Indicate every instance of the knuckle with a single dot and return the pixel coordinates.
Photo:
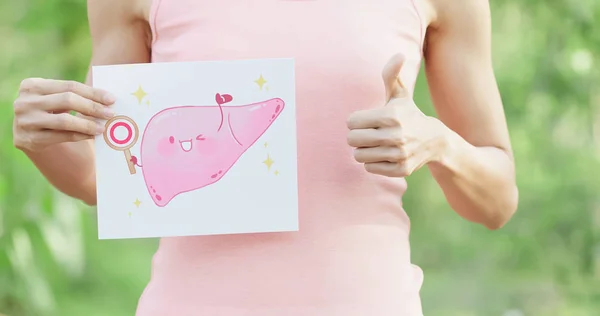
(20, 123)
(19, 106)
(69, 98)
(397, 138)
(393, 115)
(17, 122)
(25, 143)
(391, 120)
(95, 108)
(18, 143)
(90, 128)
(97, 94)
(29, 84)
(402, 171)
(399, 154)
(71, 86)
(25, 124)
(64, 121)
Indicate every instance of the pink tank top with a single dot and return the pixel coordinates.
(352, 254)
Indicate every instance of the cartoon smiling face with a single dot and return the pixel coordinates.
(186, 144)
(182, 138)
(199, 144)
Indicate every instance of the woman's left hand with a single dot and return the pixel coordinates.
(397, 139)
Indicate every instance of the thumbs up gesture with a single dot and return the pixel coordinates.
(396, 139)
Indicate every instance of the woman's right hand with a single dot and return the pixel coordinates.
(42, 115)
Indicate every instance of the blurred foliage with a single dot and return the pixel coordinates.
(546, 261)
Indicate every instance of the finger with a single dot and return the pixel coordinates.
(70, 123)
(373, 118)
(85, 116)
(389, 169)
(373, 138)
(54, 137)
(402, 168)
(394, 87)
(69, 101)
(380, 154)
(48, 86)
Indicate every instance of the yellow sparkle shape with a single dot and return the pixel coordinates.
(260, 82)
(129, 214)
(148, 102)
(139, 94)
(268, 162)
(267, 88)
(276, 172)
(266, 144)
(137, 202)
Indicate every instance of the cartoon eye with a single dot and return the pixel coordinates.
(171, 139)
(200, 137)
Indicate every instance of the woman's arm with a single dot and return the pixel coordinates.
(120, 35)
(476, 171)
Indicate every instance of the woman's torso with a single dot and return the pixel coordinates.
(351, 255)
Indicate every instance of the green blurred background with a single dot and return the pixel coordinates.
(546, 261)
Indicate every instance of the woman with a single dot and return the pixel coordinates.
(358, 137)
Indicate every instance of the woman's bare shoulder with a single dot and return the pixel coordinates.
(427, 10)
(440, 12)
(144, 7)
(125, 10)
(120, 31)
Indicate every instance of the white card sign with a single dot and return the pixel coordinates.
(198, 148)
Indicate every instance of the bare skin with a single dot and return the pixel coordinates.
(467, 149)
(477, 173)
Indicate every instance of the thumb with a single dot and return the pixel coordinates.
(394, 88)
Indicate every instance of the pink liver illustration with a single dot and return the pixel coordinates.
(185, 148)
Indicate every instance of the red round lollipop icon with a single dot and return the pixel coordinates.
(121, 133)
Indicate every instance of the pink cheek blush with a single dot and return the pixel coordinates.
(166, 147)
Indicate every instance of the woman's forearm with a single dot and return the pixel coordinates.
(478, 182)
(70, 168)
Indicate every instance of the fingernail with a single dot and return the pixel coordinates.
(108, 112)
(109, 98)
(99, 129)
